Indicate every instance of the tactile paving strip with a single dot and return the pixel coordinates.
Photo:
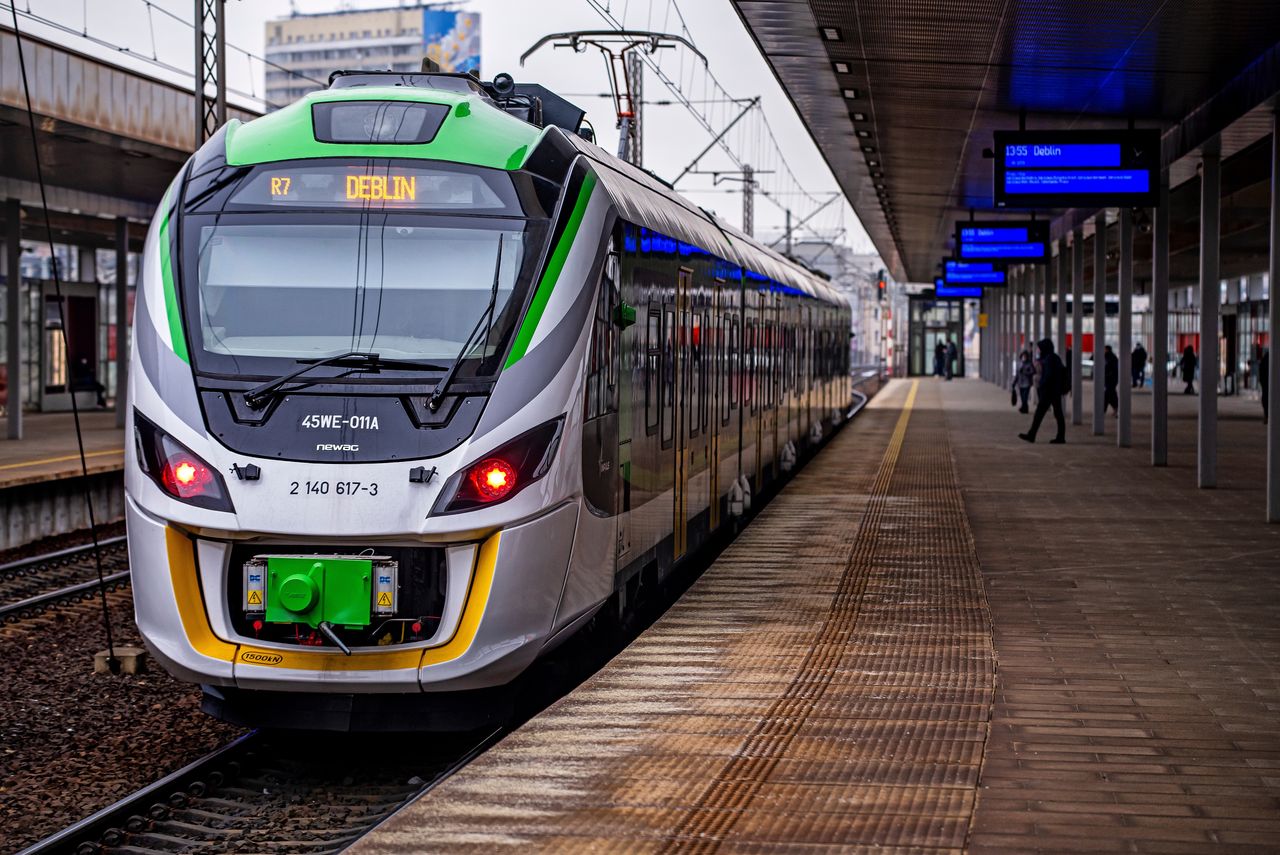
(826, 684)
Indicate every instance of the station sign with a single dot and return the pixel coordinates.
(1065, 169)
(1023, 241)
(943, 291)
(972, 273)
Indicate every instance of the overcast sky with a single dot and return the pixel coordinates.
(508, 28)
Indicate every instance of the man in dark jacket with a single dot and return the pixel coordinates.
(1111, 380)
(1053, 383)
(1139, 365)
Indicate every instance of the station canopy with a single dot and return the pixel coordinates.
(902, 96)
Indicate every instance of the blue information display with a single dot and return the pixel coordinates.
(1063, 169)
(972, 273)
(943, 291)
(1026, 242)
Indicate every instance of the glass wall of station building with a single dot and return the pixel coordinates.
(88, 279)
(1244, 332)
(933, 322)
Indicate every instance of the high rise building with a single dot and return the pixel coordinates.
(305, 49)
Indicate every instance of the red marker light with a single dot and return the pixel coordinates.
(493, 479)
(186, 477)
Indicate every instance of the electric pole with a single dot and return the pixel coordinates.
(210, 68)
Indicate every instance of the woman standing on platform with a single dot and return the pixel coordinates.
(1024, 377)
(1188, 364)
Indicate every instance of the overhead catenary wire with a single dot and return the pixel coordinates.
(112, 662)
(154, 59)
(754, 144)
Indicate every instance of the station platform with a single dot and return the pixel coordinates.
(937, 638)
(48, 452)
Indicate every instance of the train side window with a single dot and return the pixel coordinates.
(668, 375)
(749, 357)
(770, 331)
(601, 372)
(725, 340)
(706, 353)
(735, 360)
(652, 370)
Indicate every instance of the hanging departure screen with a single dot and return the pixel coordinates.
(1064, 169)
(943, 291)
(1024, 241)
(972, 273)
(378, 185)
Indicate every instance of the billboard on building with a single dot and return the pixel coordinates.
(451, 39)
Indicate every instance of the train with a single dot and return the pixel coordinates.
(422, 379)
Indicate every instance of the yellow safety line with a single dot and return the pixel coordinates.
(63, 459)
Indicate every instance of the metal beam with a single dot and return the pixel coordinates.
(211, 68)
(1207, 426)
(1063, 276)
(1124, 341)
(1160, 327)
(13, 315)
(1077, 325)
(1273, 365)
(1099, 317)
(122, 319)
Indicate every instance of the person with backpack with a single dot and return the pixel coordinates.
(1054, 383)
(1189, 363)
(1024, 377)
(952, 355)
(1139, 366)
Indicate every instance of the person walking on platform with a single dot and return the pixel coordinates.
(1188, 364)
(952, 356)
(1024, 377)
(1111, 381)
(1053, 382)
(1264, 377)
(1139, 366)
(939, 356)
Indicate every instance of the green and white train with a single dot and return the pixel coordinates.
(422, 379)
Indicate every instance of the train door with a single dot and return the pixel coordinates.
(600, 537)
(716, 353)
(806, 369)
(60, 378)
(681, 368)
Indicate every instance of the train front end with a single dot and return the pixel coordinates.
(357, 349)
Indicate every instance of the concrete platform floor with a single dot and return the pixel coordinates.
(47, 451)
(937, 639)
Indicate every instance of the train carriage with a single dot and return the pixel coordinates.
(422, 379)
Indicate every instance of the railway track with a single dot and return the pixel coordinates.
(272, 793)
(31, 585)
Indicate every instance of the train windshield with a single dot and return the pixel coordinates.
(307, 286)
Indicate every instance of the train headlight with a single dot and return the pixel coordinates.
(503, 472)
(178, 470)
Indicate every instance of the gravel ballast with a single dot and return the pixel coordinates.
(73, 741)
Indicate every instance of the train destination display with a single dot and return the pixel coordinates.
(972, 273)
(1063, 169)
(1026, 241)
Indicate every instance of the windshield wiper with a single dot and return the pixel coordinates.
(437, 394)
(256, 396)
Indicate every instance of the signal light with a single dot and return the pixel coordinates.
(494, 479)
(185, 477)
(503, 472)
(176, 469)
